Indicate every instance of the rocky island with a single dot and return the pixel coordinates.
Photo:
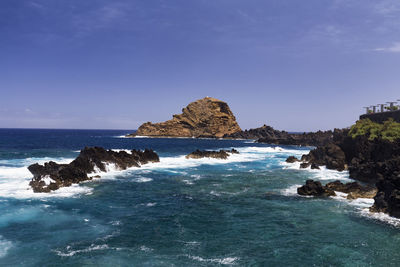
(91, 160)
(207, 117)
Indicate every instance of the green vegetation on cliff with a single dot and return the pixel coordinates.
(389, 130)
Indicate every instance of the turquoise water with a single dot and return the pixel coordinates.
(179, 212)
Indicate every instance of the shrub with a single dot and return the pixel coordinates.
(389, 130)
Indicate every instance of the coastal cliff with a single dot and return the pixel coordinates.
(207, 117)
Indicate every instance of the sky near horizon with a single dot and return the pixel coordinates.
(292, 64)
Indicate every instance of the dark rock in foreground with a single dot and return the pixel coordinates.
(222, 154)
(353, 189)
(51, 176)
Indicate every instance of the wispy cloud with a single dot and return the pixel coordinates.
(387, 7)
(394, 48)
(36, 5)
(100, 18)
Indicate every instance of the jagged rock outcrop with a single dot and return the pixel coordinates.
(267, 134)
(222, 154)
(51, 176)
(331, 156)
(353, 189)
(292, 159)
(257, 133)
(375, 162)
(314, 188)
(207, 117)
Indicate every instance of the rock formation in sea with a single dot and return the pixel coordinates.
(267, 134)
(222, 154)
(353, 190)
(207, 117)
(51, 176)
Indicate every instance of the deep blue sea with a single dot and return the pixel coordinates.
(243, 211)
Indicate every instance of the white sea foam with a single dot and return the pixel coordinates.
(362, 205)
(142, 179)
(69, 252)
(5, 245)
(215, 193)
(145, 249)
(47, 180)
(379, 216)
(291, 190)
(14, 173)
(121, 136)
(29, 161)
(224, 261)
(119, 150)
(322, 174)
(277, 149)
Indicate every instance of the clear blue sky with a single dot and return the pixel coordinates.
(292, 64)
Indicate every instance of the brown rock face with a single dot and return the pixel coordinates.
(207, 117)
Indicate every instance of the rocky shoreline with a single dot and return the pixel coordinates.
(374, 161)
(267, 134)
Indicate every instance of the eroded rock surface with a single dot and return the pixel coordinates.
(267, 134)
(207, 117)
(222, 154)
(353, 190)
(375, 162)
(51, 176)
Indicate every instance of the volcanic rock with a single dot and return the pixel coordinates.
(51, 176)
(207, 117)
(267, 134)
(353, 189)
(314, 188)
(222, 154)
(292, 159)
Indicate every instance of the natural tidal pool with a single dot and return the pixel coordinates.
(243, 211)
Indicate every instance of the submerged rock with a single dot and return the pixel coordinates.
(51, 176)
(222, 154)
(207, 117)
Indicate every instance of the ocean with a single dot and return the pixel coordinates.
(243, 211)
